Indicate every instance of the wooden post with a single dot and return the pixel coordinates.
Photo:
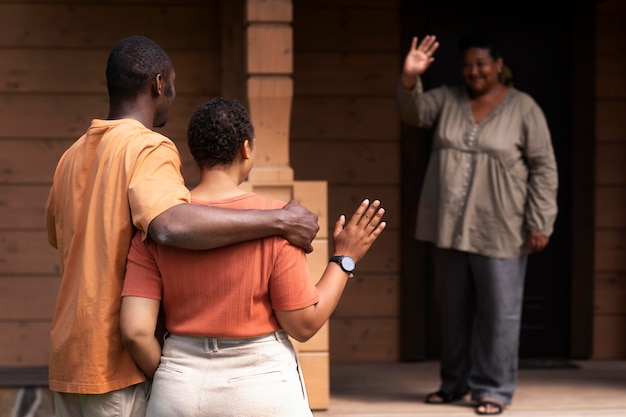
(268, 69)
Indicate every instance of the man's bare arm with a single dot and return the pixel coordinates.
(195, 226)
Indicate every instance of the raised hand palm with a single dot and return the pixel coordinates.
(416, 62)
(420, 57)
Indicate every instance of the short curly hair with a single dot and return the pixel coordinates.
(217, 130)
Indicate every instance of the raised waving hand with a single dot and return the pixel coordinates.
(355, 237)
(418, 59)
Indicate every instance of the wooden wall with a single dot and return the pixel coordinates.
(345, 130)
(52, 83)
(610, 225)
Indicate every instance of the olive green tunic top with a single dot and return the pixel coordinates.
(487, 184)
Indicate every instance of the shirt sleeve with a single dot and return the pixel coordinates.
(157, 183)
(419, 108)
(541, 207)
(143, 278)
(290, 285)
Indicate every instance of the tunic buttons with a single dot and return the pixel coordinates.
(470, 137)
(470, 142)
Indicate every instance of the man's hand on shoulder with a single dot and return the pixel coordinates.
(299, 225)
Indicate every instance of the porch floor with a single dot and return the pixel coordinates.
(580, 388)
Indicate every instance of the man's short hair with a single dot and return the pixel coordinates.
(132, 62)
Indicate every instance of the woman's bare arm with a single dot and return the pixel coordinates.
(354, 240)
(138, 320)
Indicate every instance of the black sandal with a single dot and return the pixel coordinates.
(444, 397)
(498, 408)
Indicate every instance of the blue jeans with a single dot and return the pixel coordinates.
(201, 376)
(481, 311)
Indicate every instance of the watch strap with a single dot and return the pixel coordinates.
(338, 260)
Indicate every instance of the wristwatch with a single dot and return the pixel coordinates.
(346, 263)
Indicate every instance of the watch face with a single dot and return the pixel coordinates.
(347, 263)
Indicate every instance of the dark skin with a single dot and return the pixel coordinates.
(480, 74)
(192, 226)
(139, 315)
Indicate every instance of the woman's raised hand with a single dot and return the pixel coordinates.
(357, 236)
(418, 59)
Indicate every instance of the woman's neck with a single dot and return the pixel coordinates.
(217, 184)
(483, 105)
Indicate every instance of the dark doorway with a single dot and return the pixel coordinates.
(540, 45)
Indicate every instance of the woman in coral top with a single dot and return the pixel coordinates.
(229, 311)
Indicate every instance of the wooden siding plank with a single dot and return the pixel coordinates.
(27, 253)
(150, 2)
(364, 340)
(22, 206)
(610, 207)
(610, 80)
(30, 161)
(345, 199)
(610, 163)
(88, 25)
(370, 296)
(39, 291)
(610, 250)
(23, 191)
(62, 116)
(346, 118)
(316, 370)
(345, 163)
(351, 4)
(346, 74)
(384, 255)
(24, 343)
(66, 116)
(610, 293)
(609, 337)
(610, 33)
(610, 123)
(346, 29)
(31, 71)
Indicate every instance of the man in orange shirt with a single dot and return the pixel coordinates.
(121, 176)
